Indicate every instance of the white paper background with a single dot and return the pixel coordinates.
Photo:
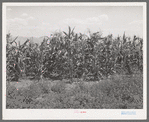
(59, 114)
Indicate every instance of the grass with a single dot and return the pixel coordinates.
(116, 92)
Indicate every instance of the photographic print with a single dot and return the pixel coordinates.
(74, 61)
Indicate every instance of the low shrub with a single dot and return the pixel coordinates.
(59, 87)
(82, 100)
(79, 100)
(25, 97)
(45, 87)
(11, 91)
(17, 99)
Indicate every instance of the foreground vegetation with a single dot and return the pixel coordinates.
(70, 70)
(117, 92)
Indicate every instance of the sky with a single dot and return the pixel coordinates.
(37, 21)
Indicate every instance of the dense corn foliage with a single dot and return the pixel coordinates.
(74, 55)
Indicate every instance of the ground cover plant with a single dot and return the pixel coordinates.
(74, 70)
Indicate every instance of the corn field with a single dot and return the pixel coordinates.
(69, 55)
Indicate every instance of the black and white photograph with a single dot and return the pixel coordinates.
(74, 60)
